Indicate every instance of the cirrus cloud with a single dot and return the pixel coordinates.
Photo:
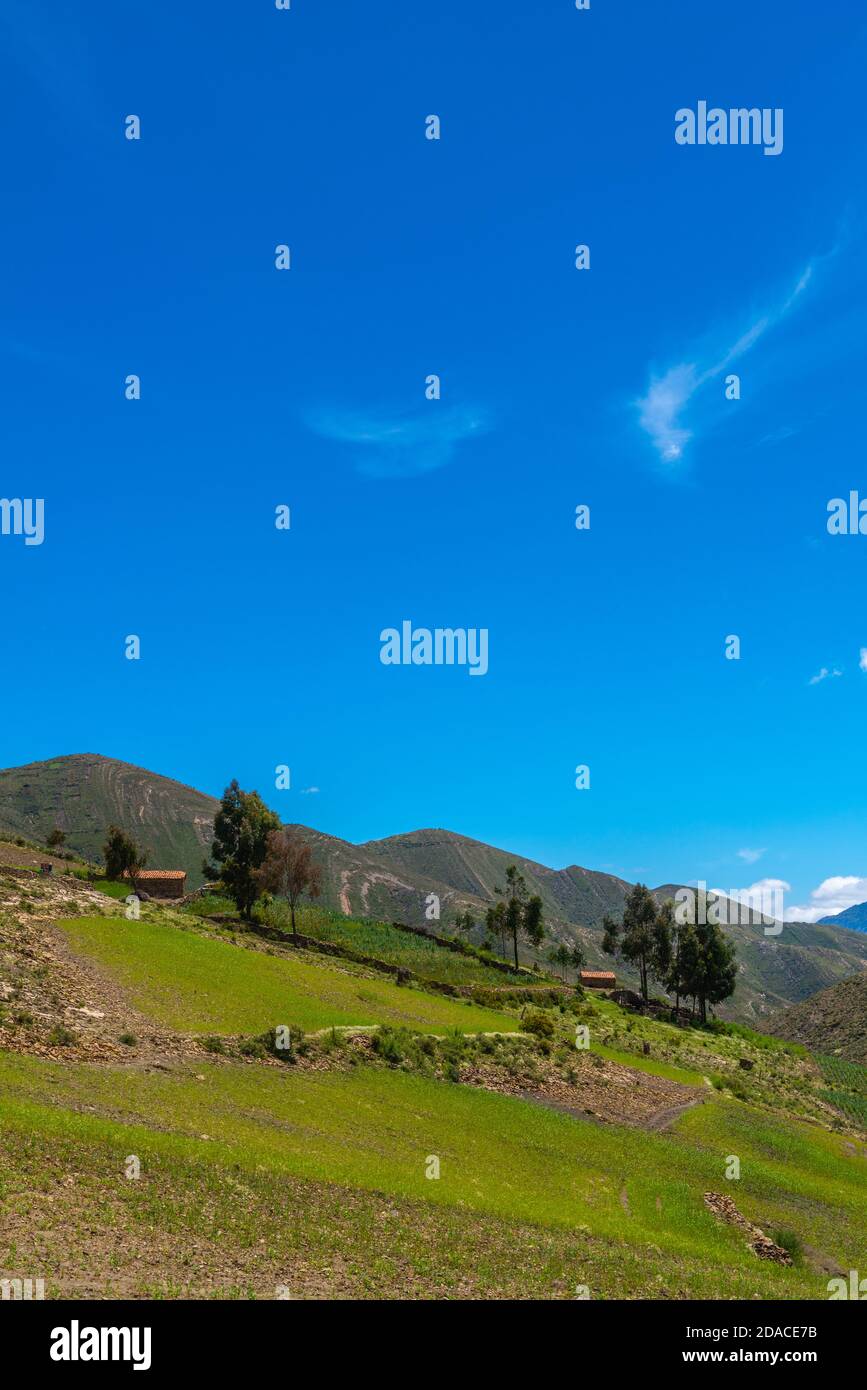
(661, 409)
(400, 446)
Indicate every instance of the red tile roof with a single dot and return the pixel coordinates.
(597, 974)
(158, 873)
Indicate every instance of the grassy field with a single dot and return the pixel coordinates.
(847, 1087)
(111, 888)
(191, 982)
(619, 1210)
(639, 1062)
(316, 1175)
(396, 947)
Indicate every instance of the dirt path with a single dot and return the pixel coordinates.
(664, 1119)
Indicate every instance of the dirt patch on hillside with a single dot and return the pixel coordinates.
(724, 1209)
(19, 856)
(593, 1088)
(56, 1004)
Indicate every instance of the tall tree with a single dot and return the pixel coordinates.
(682, 966)
(663, 929)
(518, 914)
(495, 924)
(241, 829)
(122, 856)
(464, 923)
(715, 973)
(576, 958)
(643, 938)
(56, 839)
(562, 956)
(289, 870)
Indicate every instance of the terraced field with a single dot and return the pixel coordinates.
(388, 943)
(192, 982)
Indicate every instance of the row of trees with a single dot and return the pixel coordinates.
(690, 961)
(518, 918)
(567, 957)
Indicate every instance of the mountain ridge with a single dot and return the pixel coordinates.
(854, 917)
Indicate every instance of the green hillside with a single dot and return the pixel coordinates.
(188, 981)
(473, 870)
(773, 969)
(832, 1021)
(618, 1210)
(85, 793)
(408, 1142)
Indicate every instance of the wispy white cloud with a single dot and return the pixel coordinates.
(826, 673)
(750, 856)
(833, 895)
(662, 408)
(862, 659)
(388, 446)
(309, 791)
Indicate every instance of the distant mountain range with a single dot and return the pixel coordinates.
(855, 918)
(833, 1021)
(391, 879)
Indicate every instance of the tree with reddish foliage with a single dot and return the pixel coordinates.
(289, 870)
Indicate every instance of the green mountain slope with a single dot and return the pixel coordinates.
(84, 793)
(473, 870)
(833, 1021)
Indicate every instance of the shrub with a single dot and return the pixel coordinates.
(332, 1041)
(213, 1044)
(390, 1045)
(538, 1023)
(789, 1241)
(61, 1036)
(128, 1039)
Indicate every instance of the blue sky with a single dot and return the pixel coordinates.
(306, 387)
